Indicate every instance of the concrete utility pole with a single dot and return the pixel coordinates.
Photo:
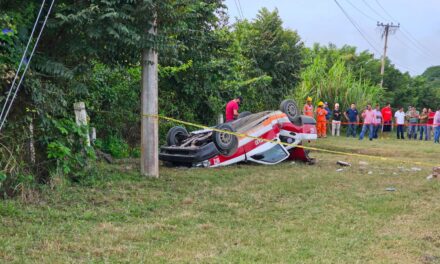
(387, 29)
(150, 125)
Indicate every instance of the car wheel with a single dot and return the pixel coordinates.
(176, 135)
(244, 114)
(226, 143)
(290, 108)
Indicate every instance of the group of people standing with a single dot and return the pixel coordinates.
(375, 120)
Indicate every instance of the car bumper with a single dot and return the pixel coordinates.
(189, 154)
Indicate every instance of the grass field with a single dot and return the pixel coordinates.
(288, 213)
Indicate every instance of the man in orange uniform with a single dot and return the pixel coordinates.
(321, 121)
(308, 107)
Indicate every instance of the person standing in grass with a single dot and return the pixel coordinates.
(369, 119)
(423, 128)
(436, 125)
(336, 122)
(321, 121)
(387, 115)
(407, 114)
(329, 114)
(413, 123)
(308, 107)
(377, 121)
(430, 122)
(352, 117)
(400, 122)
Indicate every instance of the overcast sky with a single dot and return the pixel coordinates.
(414, 47)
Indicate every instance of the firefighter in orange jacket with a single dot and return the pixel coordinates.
(321, 121)
(308, 107)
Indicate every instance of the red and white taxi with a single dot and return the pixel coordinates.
(258, 138)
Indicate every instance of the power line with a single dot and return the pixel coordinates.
(406, 33)
(241, 9)
(374, 10)
(411, 47)
(356, 26)
(362, 12)
(237, 5)
(17, 72)
(27, 66)
(353, 22)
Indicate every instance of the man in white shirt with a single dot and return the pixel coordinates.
(400, 121)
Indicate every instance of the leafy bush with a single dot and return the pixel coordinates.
(70, 151)
(117, 147)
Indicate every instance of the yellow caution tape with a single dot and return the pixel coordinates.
(287, 144)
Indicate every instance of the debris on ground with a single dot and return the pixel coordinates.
(363, 163)
(293, 162)
(370, 172)
(416, 169)
(435, 174)
(339, 170)
(105, 156)
(343, 163)
(390, 189)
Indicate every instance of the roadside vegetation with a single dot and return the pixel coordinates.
(291, 213)
(91, 53)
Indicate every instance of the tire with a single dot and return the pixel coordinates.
(290, 108)
(176, 135)
(226, 144)
(244, 114)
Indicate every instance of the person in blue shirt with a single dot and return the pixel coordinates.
(352, 116)
(328, 115)
(329, 112)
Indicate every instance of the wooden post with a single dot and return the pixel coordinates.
(81, 117)
(31, 142)
(93, 135)
(220, 119)
(150, 125)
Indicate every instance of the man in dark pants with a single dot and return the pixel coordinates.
(400, 121)
(352, 117)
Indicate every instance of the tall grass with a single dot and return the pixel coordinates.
(335, 84)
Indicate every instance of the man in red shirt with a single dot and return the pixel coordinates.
(387, 115)
(232, 108)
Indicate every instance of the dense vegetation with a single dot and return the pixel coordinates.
(90, 51)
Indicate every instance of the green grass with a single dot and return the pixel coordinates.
(288, 213)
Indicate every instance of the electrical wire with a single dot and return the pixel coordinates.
(356, 26)
(17, 72)
(237, 5)
(362, 12)
(27, 65)
(406, 33)
(241, 9)
(374, 10)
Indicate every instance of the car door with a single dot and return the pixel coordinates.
(268, 153)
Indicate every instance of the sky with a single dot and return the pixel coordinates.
(414, 46)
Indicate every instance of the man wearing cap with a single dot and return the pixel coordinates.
(308, 107)
(232, 108)
(321, 121)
